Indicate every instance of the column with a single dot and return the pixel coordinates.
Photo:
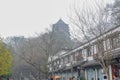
(86, 74)
(96, 74)
(110, 72)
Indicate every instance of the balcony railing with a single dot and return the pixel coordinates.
(79, 57)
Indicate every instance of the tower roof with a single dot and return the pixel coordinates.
(60, 21)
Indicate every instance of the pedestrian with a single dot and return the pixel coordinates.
(73, 78)
(7, 78)
(48, 78)
(51, 78)
(116, 77)
(78, 77)
(70, 78)
(0, 78)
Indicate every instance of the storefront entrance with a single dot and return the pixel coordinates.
(115, 70)
(91, 74)
(115, 67)
(99, 74)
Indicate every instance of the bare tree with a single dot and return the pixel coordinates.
(27, 54)
(34, 52)
(114, 10)
(50, 46)
(94, 24)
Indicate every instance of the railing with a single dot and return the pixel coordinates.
(68, 64)
(79, 57)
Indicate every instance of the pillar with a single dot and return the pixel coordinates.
(86, 74)
(96, 74)
(110, 72)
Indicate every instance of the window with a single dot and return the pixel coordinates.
(66, 59)
(108, 44)
(80, 51)
(92, 50)
(105, 45)
(84, 53)
(62, 61)
(49, 65)
(88, 51)
(71, 57)
(115, 41)
(54, 63)
(95, 48)
(100, 46)
(57, 61)
(77, 53)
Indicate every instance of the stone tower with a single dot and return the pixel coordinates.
(62, 34)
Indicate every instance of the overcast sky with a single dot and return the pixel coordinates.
(25, 17)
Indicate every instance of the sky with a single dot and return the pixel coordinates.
(27, 17)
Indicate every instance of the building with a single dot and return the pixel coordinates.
(82, 61)
(61, 34)
(61, 29)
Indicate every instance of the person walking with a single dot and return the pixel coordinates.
(78, 77)
(73, 78)
(70, 78)
(116, 77)
(51, 78)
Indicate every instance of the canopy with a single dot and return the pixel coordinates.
(56, 77)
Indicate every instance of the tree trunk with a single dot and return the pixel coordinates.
(108, 75)
(107, 72)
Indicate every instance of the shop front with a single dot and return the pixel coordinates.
(116, 68)
(99, 74)
(90, 74)
(93, 71)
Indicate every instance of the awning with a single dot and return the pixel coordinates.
(90, 63)
(78, 63)
(56, 77)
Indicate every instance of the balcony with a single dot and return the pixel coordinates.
(95, 56)
(62, 66)
(79, 57)
(90, 58)
(68, 64)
